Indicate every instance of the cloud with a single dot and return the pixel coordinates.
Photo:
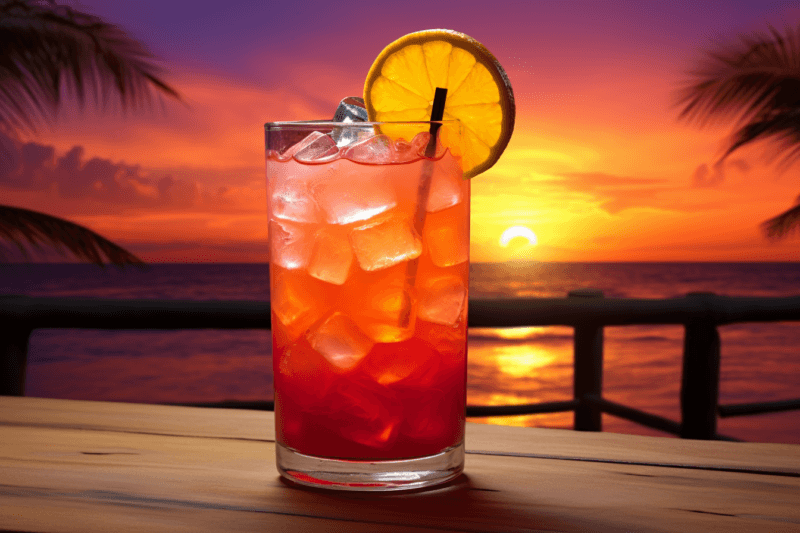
(705, 176)
(600, 180)
(35, 167)
(614, 193)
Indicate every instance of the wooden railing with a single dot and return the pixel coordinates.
(585, 310)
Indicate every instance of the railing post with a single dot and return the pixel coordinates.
(13, 358)
(588, 368)
(700, 378)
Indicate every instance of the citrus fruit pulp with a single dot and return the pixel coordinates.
(402, 81)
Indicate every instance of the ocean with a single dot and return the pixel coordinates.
(760, 362)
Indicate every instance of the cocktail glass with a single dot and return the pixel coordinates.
(369, 275)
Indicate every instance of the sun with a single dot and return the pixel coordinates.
(518, 231)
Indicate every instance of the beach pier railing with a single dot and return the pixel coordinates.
(587, 311)
(14, 340)
(700, 373)
(20, 315)
(587, 369)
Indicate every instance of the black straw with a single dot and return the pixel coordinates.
(437, 113)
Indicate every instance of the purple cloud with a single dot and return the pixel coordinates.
(705, 176)
(33, 167)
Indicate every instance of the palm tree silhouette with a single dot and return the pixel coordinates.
(46, 48)
(756, 84)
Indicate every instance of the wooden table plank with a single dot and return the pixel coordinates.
(144, 418)
(481, 438)
(616, 447)
(97, 466)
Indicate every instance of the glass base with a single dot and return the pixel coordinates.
(341, 474)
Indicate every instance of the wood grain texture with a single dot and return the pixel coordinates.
(97, 466)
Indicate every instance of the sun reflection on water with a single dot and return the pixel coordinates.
(521, 361)
(517, 366)
(519, 333)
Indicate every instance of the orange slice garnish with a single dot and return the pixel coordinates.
(402, 81)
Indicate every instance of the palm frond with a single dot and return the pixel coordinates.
(782, 225)
(23, 226)
(755, 83)
(745, 80)
(781, 126)
(44, 45)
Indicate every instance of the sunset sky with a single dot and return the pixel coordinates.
(599, 167)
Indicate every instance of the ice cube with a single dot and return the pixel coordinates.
(385, 308)
(296, 360)
(450, 342)
(339, 340)
(353, 193)
(447, 185)
(291, 243)
(434, 414)
(390, 363)
(376, 150)
(446, 236)
(298, 300)
(385, 243)
(289, 195)
(350, 109)
(309, 139)
(332, 255)
(363, 413)
(442, 299)
(388, 314)
(321, 148)
(346, 136)
(420, 142)
(405, 151)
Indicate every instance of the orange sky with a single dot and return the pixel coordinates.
(598, 167)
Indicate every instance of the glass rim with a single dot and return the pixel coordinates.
(335, 124)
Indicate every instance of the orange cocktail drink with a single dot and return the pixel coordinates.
(369, 270)
(369, 266)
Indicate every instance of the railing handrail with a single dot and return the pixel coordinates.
(109, 313)
(585, 310)
(573, 312)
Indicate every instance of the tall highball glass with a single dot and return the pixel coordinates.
(369, 283)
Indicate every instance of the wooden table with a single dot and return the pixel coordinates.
(98, 466)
